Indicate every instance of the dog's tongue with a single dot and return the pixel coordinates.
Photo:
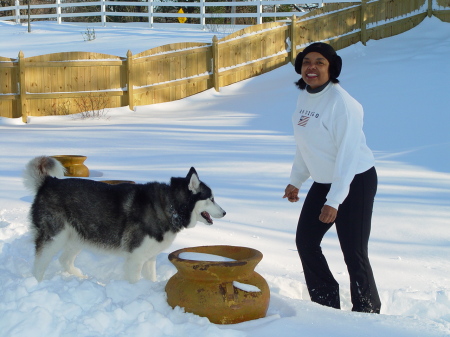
(206, 216)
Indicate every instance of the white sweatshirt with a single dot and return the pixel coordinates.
(331, 146)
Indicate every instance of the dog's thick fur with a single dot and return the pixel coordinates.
(136, 220)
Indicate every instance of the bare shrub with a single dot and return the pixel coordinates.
(93, 107)
(60, 109)
(89, 34)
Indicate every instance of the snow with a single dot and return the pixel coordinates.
(246, 287)
(240, 141)
(203, 257)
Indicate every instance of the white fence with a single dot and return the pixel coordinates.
(106, 8)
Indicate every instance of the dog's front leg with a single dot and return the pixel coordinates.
(149, 269)
(133, 267)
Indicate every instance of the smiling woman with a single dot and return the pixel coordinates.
(332, 150)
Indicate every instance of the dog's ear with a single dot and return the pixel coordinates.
(194, 182)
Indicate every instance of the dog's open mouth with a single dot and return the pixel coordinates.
(206, 216)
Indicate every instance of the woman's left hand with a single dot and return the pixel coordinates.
(328, 214)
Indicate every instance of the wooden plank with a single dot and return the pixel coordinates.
(164, 56)
(168, 84)
(443, 15)
(8, 97)
(7, 64)
(7, 81)
(6, 108)
(130, 83)
(22, 102)
(345, 41)
(74, 94)
(74, 56)
(251, 30)
(233, 75)
(396, 27)
(171, 48)
(92, 63)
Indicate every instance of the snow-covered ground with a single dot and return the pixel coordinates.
(240, 141)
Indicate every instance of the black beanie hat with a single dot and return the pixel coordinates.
(328, 52)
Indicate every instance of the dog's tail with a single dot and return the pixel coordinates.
(38, 169)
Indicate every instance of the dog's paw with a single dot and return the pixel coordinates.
(38, 277)
(149, 270)
(133, 279)
(76, 272)
(38, 273)
(151, 277)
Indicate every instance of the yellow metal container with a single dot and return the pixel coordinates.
(224, 292)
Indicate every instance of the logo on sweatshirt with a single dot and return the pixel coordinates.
(303, 121)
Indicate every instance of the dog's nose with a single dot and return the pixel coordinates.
(224, 213)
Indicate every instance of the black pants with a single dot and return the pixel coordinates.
(353, 225)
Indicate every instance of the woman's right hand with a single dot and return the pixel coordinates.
(291, 193)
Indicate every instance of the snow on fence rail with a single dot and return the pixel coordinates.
(55, 83)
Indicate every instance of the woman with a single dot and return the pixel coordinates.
(332, 150)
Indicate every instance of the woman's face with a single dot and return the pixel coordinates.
(315, 69)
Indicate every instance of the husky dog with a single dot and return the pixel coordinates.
(136, 220)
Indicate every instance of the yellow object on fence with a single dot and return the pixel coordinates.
(181, 20)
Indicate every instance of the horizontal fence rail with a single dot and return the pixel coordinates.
(147, 10)
(71, 82)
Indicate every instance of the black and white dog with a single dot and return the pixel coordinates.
(136, 220)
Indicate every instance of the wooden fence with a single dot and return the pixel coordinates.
(56, 83)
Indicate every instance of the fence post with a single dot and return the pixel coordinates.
(430, 8)
(259, 10)
(22, 103)
(202, 14)
(150, 13)
(215, 63)
(293, 42)
(103, 12)
(17, 11)
(130, 86)
(58, 11)
(363, 22)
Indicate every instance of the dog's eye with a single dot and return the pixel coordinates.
(212, 199)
